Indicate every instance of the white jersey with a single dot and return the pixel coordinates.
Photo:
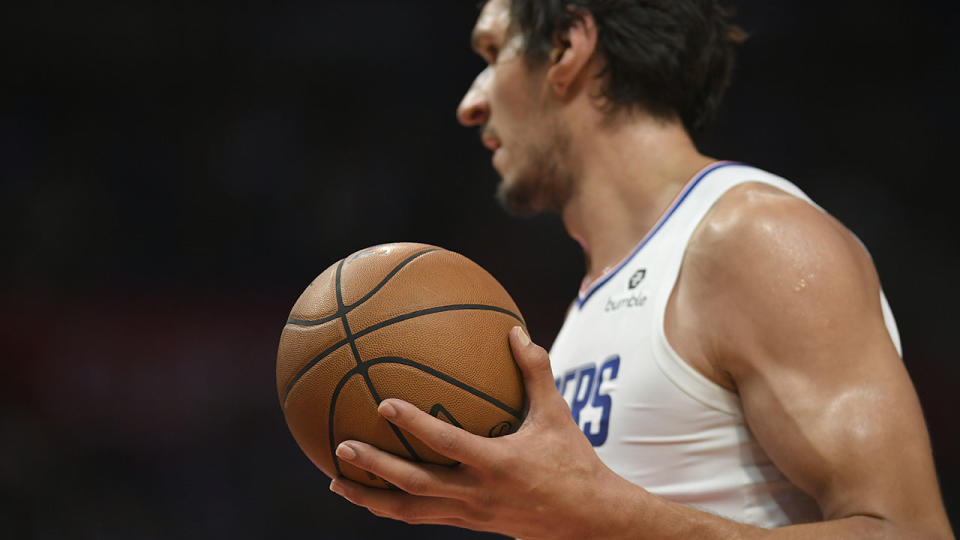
(651, 417)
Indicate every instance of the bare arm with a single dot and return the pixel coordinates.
(545, 481)
(791, 302)
(821, 385)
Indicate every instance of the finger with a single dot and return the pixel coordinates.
(534, 364)
(414, 478)
(399, 505)
(445, 439)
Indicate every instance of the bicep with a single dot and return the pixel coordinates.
(844, 425)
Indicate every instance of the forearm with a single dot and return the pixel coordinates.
(633, 513)
(630, 512)
(546, 481)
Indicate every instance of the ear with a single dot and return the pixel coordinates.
(573, 49)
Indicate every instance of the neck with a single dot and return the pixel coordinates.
(626, 176)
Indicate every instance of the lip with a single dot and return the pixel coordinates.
(491, 142)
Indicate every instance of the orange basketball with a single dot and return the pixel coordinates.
(407, 321)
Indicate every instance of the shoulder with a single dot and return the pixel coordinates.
(764, 266)
(758, 231)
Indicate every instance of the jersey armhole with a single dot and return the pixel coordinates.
(686, 377)
(680, 372)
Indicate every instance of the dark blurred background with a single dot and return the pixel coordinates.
(175, 173)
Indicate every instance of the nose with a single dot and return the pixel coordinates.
(474, 108)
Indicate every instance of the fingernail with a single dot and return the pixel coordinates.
(345, 452)
(336, 487)
(387, 410)
(524, 338)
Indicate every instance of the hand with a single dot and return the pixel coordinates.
(544, 481)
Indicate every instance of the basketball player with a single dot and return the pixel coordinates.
(731, 365)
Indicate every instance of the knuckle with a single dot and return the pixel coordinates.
(384, 511)
(447, 442)
(416, 483)
(354, 495)
(534, 359)
(483, 499)
(539, 359)
(504, 457)
(365, 460)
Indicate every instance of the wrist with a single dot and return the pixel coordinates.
(614, 508)
(621, 510)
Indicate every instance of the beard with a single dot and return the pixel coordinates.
(542, 184)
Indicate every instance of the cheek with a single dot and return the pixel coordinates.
(499, 100)
(507, 92)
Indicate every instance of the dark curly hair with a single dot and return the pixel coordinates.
(672, 58)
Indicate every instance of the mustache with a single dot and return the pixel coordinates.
(486, 131)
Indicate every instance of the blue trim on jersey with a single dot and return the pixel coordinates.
(596, 286)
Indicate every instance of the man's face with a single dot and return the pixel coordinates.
(510, 101)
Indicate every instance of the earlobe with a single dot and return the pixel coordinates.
(572, 52)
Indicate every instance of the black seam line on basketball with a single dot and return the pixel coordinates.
(371, 388)
(332, 409)
(438, 309)
(309, 365)
(443, 376)
(438, 408)
(315, 322)
(339, 292)
(347, 309)
(350, 340)
(362, 370)
(396, 431)
(400, 318)
(392, 273)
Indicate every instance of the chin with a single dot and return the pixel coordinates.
(519, 197)
(536, 185)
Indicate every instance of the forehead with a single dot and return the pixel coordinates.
(493, 21)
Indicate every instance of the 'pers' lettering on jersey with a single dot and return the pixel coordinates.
(586, 390)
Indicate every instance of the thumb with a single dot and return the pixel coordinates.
(534, 364)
